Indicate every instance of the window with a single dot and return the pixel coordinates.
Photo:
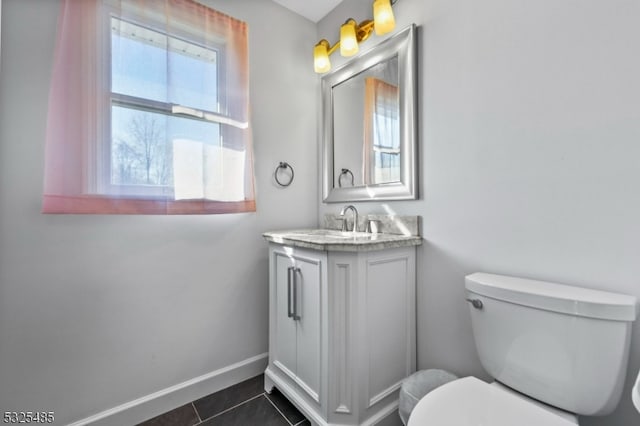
(382, 132)
(157, 118)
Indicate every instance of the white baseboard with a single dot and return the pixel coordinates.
(141, 409)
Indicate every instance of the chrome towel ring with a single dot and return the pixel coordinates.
(283, 165)
(343, 173)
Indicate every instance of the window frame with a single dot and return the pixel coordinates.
(99, 161)
(381, 150)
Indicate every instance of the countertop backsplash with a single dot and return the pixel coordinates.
(386, 224)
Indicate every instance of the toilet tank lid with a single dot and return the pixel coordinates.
(554, 297)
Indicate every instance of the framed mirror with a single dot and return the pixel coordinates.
(369, 132)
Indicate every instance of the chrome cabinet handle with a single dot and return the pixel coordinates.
(476, 303)
(290, 269)
(292, 292)
(295, 315)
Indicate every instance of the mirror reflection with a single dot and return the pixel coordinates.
(367, 127)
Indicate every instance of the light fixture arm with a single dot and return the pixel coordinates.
(363, 32)
(330, 49)
(352, 34)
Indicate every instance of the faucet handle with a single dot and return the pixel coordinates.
(373, 226)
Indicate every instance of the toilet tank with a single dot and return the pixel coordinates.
(563, 345)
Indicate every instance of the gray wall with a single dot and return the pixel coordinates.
(529, 155)
(96, 311)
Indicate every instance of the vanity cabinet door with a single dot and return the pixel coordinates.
(308, 293)
(284, 351)
(296, 317)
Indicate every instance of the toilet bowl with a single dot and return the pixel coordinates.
(635, 393)
(472, 402)
(555, 351)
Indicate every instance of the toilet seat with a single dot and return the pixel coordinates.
(472, 402)
(635, 393)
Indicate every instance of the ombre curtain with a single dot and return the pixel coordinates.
(148, 110)
(381, 114)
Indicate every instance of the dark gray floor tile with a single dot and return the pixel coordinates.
(181, 416)
(217, 402)
(286, 408)
(257, 412)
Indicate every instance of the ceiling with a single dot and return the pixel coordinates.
(313, 10)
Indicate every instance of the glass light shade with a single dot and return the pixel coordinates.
(383, 18)
(348, 41)
(321, 62)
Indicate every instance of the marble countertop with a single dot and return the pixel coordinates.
(334, 240)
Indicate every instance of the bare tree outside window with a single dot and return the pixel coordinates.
(141, 155)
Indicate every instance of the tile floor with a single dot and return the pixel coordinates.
(244, 404)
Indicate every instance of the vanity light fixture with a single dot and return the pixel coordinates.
(385, 22)
(348, 40)
(352, 34)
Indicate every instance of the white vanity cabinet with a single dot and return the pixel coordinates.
(342, 330)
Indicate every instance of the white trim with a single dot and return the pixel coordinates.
(151, 405)
(341, 327)
(313, 394)
(284, 369)
(381, 415)
(212, 117)
(385, 393)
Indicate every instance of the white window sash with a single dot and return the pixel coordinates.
(99, 152)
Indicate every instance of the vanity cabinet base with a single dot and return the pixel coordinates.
(342, 332)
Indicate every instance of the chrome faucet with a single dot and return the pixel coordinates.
(344, 219)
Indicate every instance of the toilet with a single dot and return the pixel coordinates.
(635, 394)
(554, 351)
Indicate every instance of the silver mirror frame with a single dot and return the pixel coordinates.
(402, 44)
